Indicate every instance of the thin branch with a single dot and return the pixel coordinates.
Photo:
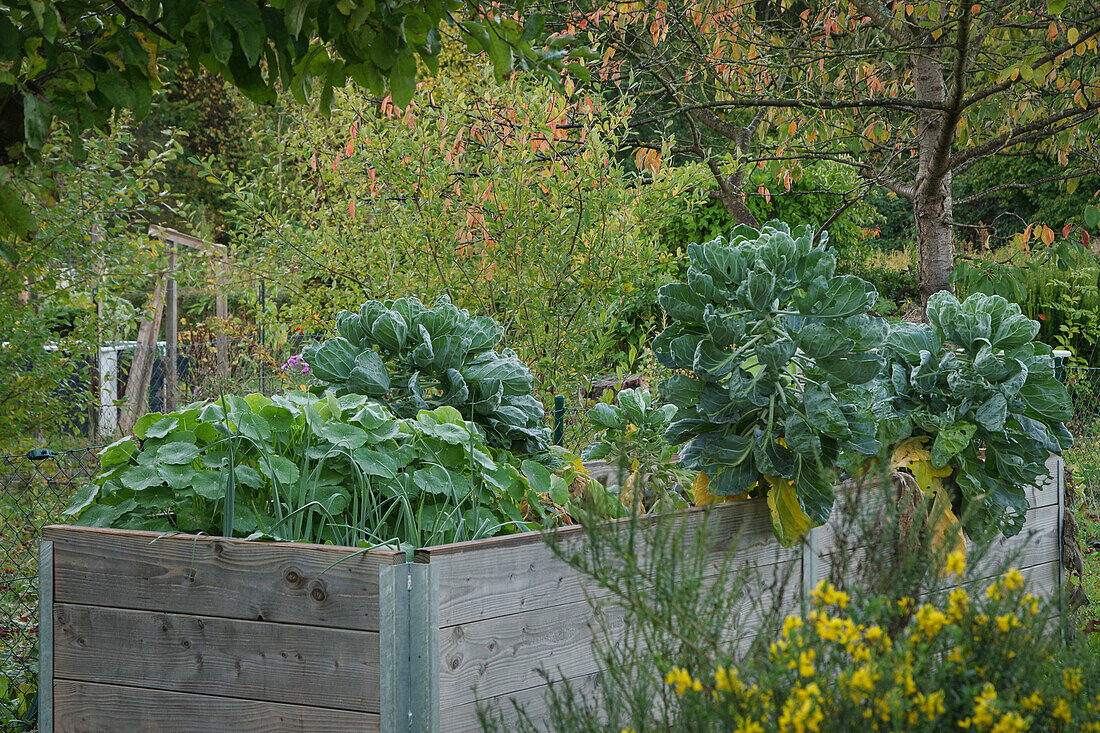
(1016, 134)
(1014, 185)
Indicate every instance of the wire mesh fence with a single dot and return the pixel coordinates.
(34, 489)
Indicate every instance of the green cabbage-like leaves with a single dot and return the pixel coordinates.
(412, 357)
(973, 379)
(769, 346)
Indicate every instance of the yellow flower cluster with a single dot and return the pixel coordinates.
(883, 676)
(802, 712)
(999, 589)
(826, 594)
(956, 563)
(683, 681)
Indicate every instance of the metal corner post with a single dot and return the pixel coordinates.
(809, 565)
(409, 648)
(45, 636)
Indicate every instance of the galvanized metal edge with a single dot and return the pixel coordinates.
(809, 565)
(45, 636)
(424, 648)
(393, 639)
(1060, 485)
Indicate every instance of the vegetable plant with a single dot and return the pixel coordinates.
(631, 435)
(972, 402)
(768, 344)
(306, 467)
(414, 358)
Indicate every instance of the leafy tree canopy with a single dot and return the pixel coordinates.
(76, 61)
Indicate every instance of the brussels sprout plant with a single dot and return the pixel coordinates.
(975, 391)
(768, 341)
(416, 358)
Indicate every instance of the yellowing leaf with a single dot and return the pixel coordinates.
(789, 522)
(1072, 35)
(910, 451)
(699, 491)
(947, 534)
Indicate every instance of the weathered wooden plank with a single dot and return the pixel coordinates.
(506, 654)
(1037, 544)
(307, 665)
(92, 708)
(217, 576)
(464, 718)
(45, 636)
(854, 514)
(508, 575)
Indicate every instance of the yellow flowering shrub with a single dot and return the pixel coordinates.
(952, 664)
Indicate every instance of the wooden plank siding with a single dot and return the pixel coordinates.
(238, 635)
(84, 707)
(512, 615)
(174, 633)
(218, 656)
(313, 585)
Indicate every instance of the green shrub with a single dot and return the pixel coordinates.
(887, 640)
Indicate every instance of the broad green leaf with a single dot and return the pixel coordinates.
(82, 499)
(118, 452)
(331, 361)
(177, 453)
(537, 475)
(823, 413)
(681, 303)
(857, 368)
(605, 416)
(950, 442)
(140, 478)
(369, 375)
(819, 340)
(253, 426)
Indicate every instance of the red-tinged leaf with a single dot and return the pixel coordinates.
(313, 161)
(351, 209)
(1066, 230)
(349, 149)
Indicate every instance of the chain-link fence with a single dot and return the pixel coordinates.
(34, 489)
(1083, 458)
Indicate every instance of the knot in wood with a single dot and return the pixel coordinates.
(317, 592)
(293, 577)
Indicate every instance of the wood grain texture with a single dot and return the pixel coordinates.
(216, 576)
(508, 654)
(307, 665)
(464, 718)
(91, 708)
(856, 507)
(485, 579)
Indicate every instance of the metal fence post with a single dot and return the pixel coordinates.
(559, 419)
(409, 648)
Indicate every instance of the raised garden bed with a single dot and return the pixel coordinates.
(171, 633)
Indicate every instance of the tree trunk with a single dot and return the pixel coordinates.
(731, 196)
(932, 200)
